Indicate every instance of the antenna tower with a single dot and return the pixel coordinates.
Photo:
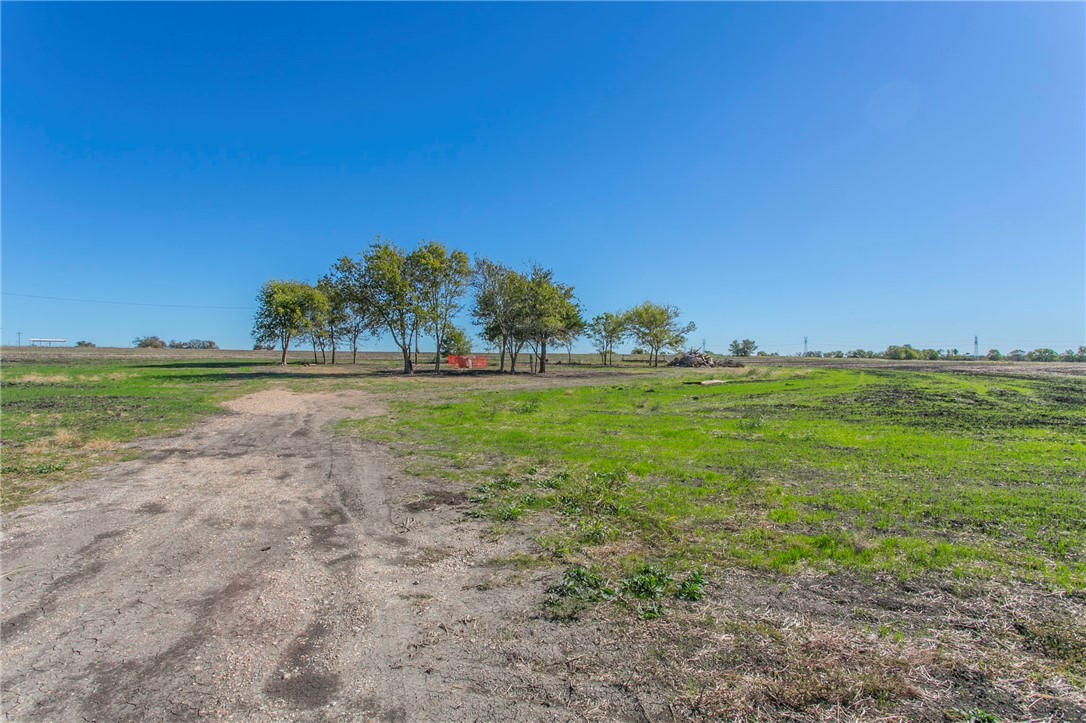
(804, 346)
(976, 347)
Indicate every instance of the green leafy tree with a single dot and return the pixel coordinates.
(337, 321)
(551, 311)
(349, 281)
(317, 323)
(901, 353)
(443, 277)
(1043, 355)
(85, 344)
(657, 327)
(500, 308)
(389, 277)
(284, 309)
(148, 342)
(573, 325)
(742, 348)
(1016, 355)
(454, 342)
(605, 331)
(994, 355)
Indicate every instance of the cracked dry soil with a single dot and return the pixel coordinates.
(260, 567)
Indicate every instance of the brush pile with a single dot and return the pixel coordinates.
(694, 358)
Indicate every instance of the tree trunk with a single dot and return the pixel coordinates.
(501, 365)
(542, 356)
(407, 369)
(314, 352)
(437, 353)
(286, 343)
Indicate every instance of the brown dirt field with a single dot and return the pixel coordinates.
(258, 567)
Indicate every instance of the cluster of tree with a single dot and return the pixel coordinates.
(386, 289)
(193, 344)
(907, 352)
(407, 294)
(148, 342)
(517, 310)
(742, 348)
(154, 342)
(1041, 355)
(655, 327)
(86, 344)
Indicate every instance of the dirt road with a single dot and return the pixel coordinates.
(260, 567)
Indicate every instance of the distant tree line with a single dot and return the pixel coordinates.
(154, 342)
(411, 294)
(907, 352)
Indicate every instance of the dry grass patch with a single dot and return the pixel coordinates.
(35, 378)
(61, 439)
(100, 445)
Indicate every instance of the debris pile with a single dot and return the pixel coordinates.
(696, 358)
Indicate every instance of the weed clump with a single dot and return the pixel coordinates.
(692, 588)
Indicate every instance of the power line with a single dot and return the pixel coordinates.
(127, 303)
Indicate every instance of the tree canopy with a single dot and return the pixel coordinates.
(657, 327)
(284, 311)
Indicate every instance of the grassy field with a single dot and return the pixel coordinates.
(778, 468)
(794, 543)
(790, 542)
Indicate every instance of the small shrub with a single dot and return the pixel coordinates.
(583, 583)
(506, 482)
(482, 494)
(594, 531)
(650, 610)
(692, 588)
(648, 583)
(526, 407)
(509, 513)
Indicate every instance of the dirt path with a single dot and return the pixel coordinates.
(260, 567)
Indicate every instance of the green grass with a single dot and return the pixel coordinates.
(60, 420)
(872, 471)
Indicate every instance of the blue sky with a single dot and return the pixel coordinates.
(858, 173)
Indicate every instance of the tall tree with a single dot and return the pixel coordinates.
(501, 297)
(347, 276)
(442, 279)
(550, 312)
(390, 281)
(572, 327)
(337, 319)
(283, 312)
(657, 327)
(605, 331)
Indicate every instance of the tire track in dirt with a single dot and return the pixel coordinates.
(260, 567)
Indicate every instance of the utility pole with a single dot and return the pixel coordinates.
(20, 334)
(976, 347)
(804, 346)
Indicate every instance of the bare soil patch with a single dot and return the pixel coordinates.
(259, 567)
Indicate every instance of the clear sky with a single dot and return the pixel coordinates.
(858, 173)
